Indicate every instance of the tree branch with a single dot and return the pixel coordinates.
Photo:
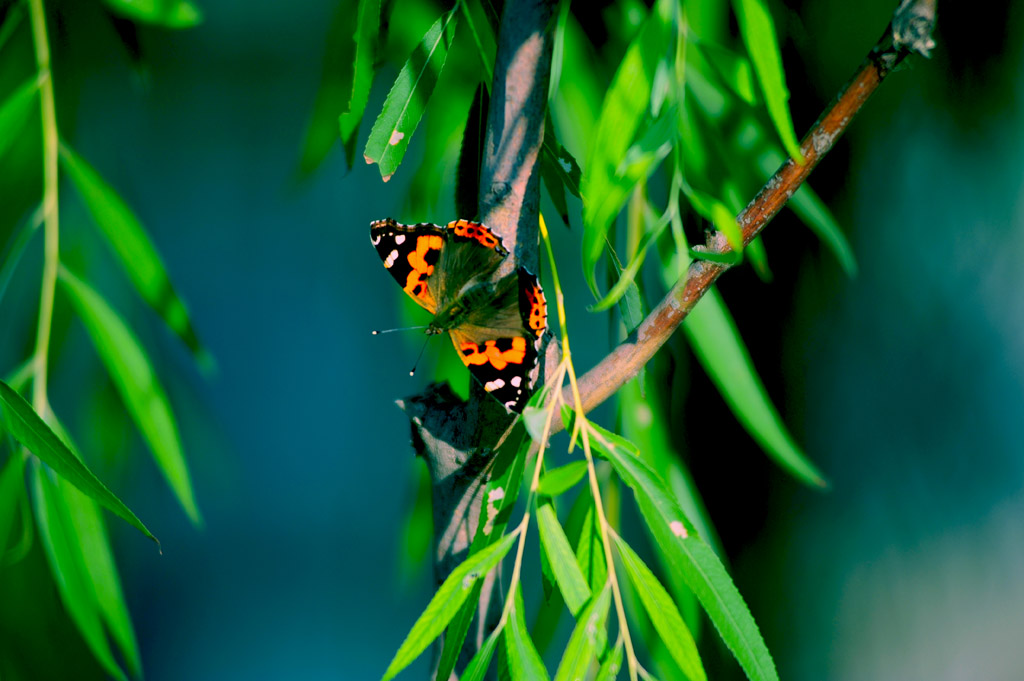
(909, 31)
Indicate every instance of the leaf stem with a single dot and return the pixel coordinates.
(51, 225)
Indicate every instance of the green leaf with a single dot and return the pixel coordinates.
(335, 91)
(758, 33)
(165, 13)
(16, 247)
(562, 559)
(627, 279)
(477, 667)
(15, 110)
(408, 97)
(455, 636)
(625, 106)
(561, 479)
(90, 536)
(524, 663)
(587, 640)
(446, 603)
(366, 38)
(720, 350)
(133, 247)
(663, 613)
(12, 486)
(590, 551)
(65, 557)
(479, 25)
(690, 556)
(137, 383)
(609, 670)
(25, 425)
(15, 13)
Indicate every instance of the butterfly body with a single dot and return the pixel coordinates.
(496, 325)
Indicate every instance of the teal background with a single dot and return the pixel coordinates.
(905, 384)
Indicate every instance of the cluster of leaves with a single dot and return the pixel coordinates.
(44, 475)
(680, 115)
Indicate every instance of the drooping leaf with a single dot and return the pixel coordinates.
(446, 603)
(19, 419)
(164, 13)
(717, 344)
(524, 663)
(477, 667)
(609, 670)
(758, 33)
(335, 91)
(690, 556)
(12, 487)
(366, 39)
(479, 24)
(15, 110)
(408, 98)
(590, 552)
(15, 13)
(588, 638)
(66, 563)
(663, 613)
(622, 113)
(16, 247)
(136, 381)
(559, 480)
(133, 247)
(561, 558)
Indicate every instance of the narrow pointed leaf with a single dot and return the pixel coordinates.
(15, 13)
(366, 39)
(408, 98)
(477, 667)
(561, 479)
(479, 25)
(12, 486)
(64, 555)
(588, 638)
(609, 670)
(15, 110)
(17, 245)
(688, 554)
(165, 13)
(446, 603)
(720, 350)
(133, 247)
(758, 33)
(663, 613)
(19, 419)
(524, 663)
(137, 383)
(563, 563)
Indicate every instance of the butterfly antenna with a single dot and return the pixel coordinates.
(412, 372)
(379, 332)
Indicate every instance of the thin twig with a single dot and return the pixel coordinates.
(626, 360)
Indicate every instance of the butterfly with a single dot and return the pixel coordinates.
(496, 326)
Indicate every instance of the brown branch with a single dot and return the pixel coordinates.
(910, 30)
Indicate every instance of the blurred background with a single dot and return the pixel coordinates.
(904, 384)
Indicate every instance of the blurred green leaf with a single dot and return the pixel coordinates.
(733, 70)
(609, 670)
(12, 486)
(166, 13)
(558, 48)
(89, 537)
(563, 563)
(133, 247)
(627, 279)
(558, 480)
(479, 24)
(335, 91)
(66, 562)
(15, 110)
(588, 638)
(758, 33)
(690, 556)
(477, 667)
(663, 613)
(137, 383)
(24, 424)
(524, 663)
(366, 39)
(408, 97)
(18, 243)
(720, 350)
(446, 603)
(625, 105)
(15, 13)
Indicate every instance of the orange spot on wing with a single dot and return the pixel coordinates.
(499, 359)
(538, 308)
(416, 282)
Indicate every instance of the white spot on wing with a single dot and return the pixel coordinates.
(678, 529)
(392, 257)
(516, 381)
(491, 386)
(375, 241)
(400, 239)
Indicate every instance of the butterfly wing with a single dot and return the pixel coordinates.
(501, 341)
(411, 254)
